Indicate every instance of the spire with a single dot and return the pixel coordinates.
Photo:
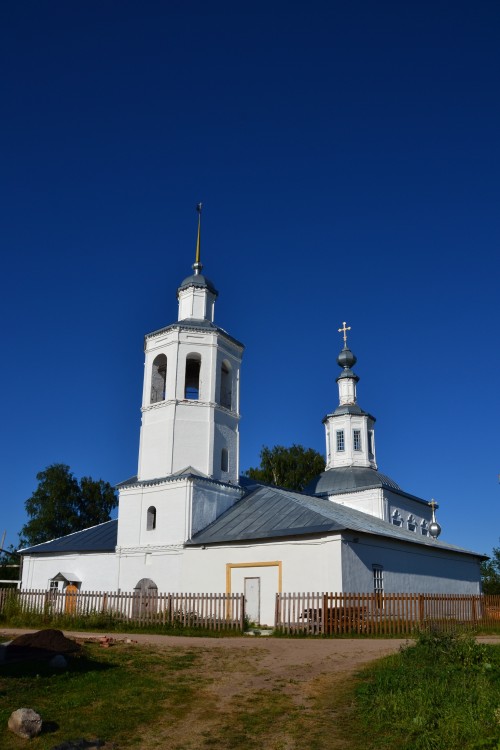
(197, 266)
(197, 294)
(347, 379)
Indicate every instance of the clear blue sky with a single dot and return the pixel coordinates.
(347, 155)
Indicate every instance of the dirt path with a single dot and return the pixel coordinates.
(244, 667)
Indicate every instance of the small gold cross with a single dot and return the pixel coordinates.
(344, 330)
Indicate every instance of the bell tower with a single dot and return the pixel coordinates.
(350, 437)
(190, 402)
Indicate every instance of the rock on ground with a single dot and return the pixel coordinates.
(25, 723)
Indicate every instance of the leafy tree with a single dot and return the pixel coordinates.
(9, 565)
(292, 467)
(490, 573)
(60, 505)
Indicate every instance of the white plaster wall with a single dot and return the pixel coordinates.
(369, 501)
(172, 501)
(406, 507)
(160, 564)
(97, 571)
(410, 568)
(348, 457)
(307, 565)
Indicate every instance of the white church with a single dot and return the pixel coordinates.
(187, 522)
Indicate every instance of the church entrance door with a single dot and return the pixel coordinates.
(252, 599)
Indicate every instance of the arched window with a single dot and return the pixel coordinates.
(224, 460)
(158, 378)
(151, 519)
(424, 528)
(226, 386)
(412, 524)
(192, 382)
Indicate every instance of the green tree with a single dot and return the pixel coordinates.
(60, 505)
(9, 565)
(490, 573)
(292, 467)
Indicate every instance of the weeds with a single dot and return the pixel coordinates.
(440, 694)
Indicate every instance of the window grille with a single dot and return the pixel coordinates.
(340, 440)
(356, 439)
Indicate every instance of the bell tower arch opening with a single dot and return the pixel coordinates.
(226, 385)
(192, 378)
(158, 379)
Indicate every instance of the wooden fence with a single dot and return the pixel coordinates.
(383, 614)
(211, 611)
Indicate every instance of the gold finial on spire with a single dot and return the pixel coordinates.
(344, 330)
(197, 263)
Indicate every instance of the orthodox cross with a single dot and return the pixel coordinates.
(344, 330)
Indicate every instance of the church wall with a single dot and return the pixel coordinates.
(407, 507)
(162, 564)
(369, 501)
(97, 571)
(299, 564)
(408, 567)
(172, 501)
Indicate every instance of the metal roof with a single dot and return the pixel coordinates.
(100, 538)
(271, 512)
(353, 479)
(198, 280)
(349, 479)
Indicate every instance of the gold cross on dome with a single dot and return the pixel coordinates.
(344, 330)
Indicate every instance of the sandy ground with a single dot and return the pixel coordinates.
(274, 654)
(244, 666)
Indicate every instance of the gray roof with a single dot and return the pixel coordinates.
(353, 479)
(349, 479)
(269, 512)
(350, 409)
(100, 538)
(198, 280)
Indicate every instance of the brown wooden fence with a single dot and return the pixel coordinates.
(211, 611)
(383, 614)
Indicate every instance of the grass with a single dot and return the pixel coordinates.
(441, 694)
(144, 698)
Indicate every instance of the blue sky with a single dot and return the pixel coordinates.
(347, 155)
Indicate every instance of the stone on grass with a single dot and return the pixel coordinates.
(58, 662)
(25, 723)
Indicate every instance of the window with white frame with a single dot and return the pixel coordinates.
(412, 524)
(340, 440)
(378, 583)
(424, 528)
(356, 440)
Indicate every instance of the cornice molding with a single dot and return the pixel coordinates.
(191, 403)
